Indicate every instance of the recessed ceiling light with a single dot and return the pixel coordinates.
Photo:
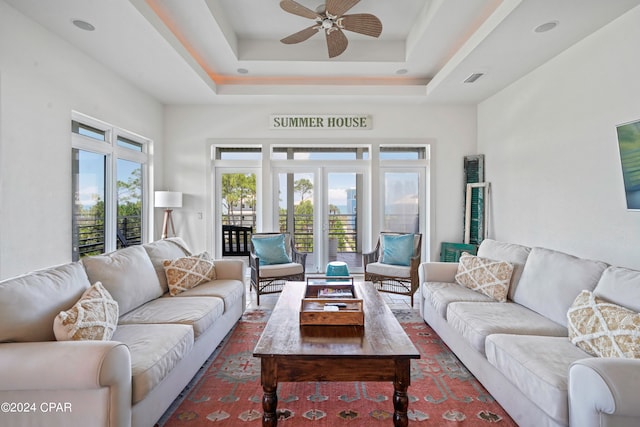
(402, 71)
(242, 71)
(547, 26)
(83, 25)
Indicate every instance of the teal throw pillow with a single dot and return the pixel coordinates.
(397, 249)
(270, 250)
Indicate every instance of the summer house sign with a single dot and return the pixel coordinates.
(320, 121)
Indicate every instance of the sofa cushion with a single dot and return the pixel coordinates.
(200, 313)
(93, 317)
(604, 329)
(515, 254)
(29, 303)
(551, 280)
(485, 275)
(155, 351)
(161, 250)
(188, 272)
(440, 294)
(477, 320)
(388, 270)
(230, 291)
(538, 366)
(127, 274)
(620, 286)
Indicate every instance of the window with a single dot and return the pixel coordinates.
(320, 153)
(238, 153)
(402, 153)
(109, 186)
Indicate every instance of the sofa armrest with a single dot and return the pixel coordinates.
(601, 388)
(49, 368)
(438, 272)
(229, 269)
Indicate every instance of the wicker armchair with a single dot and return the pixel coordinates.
(392, 278)
(270, 278)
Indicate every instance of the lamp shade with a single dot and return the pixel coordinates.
(168, 199)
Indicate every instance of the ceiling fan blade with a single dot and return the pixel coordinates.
(300, 36)
(336, 42)
(363, 23)
(298, 9)
(339, 7)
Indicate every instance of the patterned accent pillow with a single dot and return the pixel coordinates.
(603, 329)
(188, 272)
(484, 275)
(93, 317)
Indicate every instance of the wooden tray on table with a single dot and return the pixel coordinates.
(331, 301)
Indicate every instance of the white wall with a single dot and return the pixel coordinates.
(452, 130)
(551, 149)
(42, 79)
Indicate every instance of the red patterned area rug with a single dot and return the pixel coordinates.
(227, 391)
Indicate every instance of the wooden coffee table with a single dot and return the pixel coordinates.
(381, 351)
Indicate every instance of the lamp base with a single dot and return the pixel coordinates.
(168, 221)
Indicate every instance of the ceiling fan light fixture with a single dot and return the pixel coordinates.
(327, 24)
(332, 21)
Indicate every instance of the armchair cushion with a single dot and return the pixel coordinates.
(389, 270)
(271, 250)
(281, 270)
(397, 249)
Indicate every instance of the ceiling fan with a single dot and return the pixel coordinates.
(331, 19)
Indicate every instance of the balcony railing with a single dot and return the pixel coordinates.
(342, 230)
(91, 234)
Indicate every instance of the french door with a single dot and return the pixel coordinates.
(322, 207)
(334, 200)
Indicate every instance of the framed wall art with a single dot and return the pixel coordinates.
(629, 145)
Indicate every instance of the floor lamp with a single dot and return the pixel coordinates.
(168, 200)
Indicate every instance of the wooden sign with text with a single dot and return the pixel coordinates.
(320, 121)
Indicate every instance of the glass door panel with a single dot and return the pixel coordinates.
(239, 199)
(129, 203)
(401, 202)
(296, 212)
(89, 172)
(342, 224)
(238, 221)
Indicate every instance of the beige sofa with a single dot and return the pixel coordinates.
(159, 344)
(520, 349)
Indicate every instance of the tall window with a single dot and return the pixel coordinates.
(109, 180)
